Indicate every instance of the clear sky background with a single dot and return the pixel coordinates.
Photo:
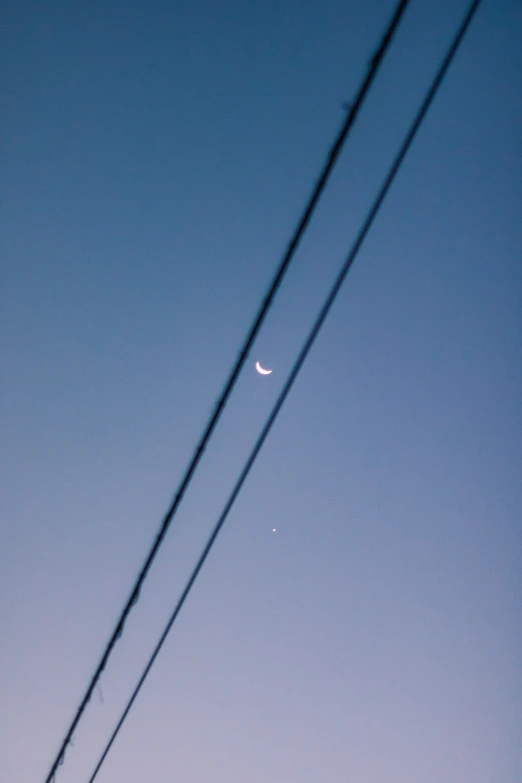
(155, 159)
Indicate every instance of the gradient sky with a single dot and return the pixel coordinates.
(155, 159)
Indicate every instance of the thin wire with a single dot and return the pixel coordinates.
(227, 390)
(300, 360)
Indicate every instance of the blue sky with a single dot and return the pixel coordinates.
(156, 158)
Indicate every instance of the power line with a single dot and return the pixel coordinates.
(227, 390)
(372, 214)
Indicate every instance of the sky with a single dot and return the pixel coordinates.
(155, 159)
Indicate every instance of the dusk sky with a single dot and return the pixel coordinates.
(156, 157)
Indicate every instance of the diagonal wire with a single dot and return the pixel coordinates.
(372, 214)
(331, 160)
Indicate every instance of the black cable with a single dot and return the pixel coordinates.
(227, 390)
(300, 360)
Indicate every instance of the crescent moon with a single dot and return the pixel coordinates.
(261, 371)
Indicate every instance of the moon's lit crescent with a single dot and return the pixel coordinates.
(261, 370)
